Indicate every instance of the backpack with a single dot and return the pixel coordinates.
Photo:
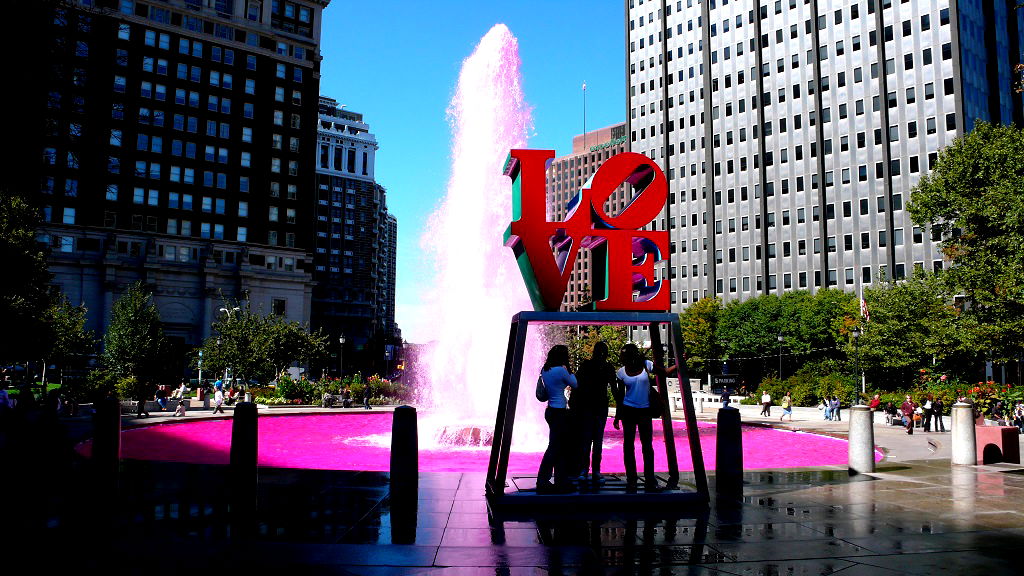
(542, 390)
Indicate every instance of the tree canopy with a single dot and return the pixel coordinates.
(258, 347)
(134, 341)
(24, 300)
(974, 196)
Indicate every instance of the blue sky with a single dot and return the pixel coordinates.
(397, 64)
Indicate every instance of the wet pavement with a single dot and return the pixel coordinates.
(916, 515)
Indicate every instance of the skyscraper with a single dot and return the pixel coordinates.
(354, 257)
(793, 131)
(177, 150)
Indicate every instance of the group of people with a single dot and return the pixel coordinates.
(832, 408)
(928, 411)
(577, 413)
(787, 405)
(345, 396)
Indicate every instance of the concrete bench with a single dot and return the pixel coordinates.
(997, 444)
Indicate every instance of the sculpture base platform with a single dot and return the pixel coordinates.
(520, 498)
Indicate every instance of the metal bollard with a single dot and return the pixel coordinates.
(729, 457)
(861, 440)
(404, 475)
(965, 450)
(243, 468)
(106, 443)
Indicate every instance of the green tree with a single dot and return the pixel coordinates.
(911, 323)
(258, 347)
(134, 341)
(973, 197)
(69, 339)
(24, 300)
(581, 344)
(750, 328)
(699, 325)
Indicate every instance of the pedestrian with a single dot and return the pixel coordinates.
(766, 404)
(141, 411)
(218, 397)
(590, 401)
(633, 387)
(366, 396)
(556, 377)
(836, 405)
(937, 409)
(927, 412)
(907, 410)
(787, 407)
(827, 403)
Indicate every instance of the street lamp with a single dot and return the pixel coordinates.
(781, 339)
(856, 348)
(341, 350)
(227, 311)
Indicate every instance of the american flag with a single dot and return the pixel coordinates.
(864, 310)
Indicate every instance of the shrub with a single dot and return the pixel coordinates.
(264, 392)
(269, 400)
(98, 384)
(126, 388)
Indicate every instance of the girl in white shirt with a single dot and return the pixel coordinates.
(634, 385)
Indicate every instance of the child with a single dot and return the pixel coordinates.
(180, 410)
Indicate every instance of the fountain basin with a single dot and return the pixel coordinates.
(362, 441)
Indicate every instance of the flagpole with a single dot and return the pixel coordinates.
(584, 116)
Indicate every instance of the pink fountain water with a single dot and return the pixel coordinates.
(478, 289)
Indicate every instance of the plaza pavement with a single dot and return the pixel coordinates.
(916, 514)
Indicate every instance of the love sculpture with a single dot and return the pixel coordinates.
(625, 293)
(546, 250)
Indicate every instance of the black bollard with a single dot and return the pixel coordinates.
(404, 475)
(243, 475)
(106, 444)
(729, 462)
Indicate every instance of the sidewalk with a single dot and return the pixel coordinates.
(916, 515)
(891, 440)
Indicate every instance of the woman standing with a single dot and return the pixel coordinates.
(926, 406)
(633, 394)
(591, 401)
(557, 378)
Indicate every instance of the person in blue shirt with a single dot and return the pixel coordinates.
(557, 378)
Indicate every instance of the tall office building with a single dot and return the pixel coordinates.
(177, 150)
(565, 177)
(354, 258)
(792, 131)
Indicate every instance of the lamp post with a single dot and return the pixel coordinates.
(856, 349)
(341, 350)
(781, 340)
(227, 311)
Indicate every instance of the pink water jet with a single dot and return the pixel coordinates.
(477, 288)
